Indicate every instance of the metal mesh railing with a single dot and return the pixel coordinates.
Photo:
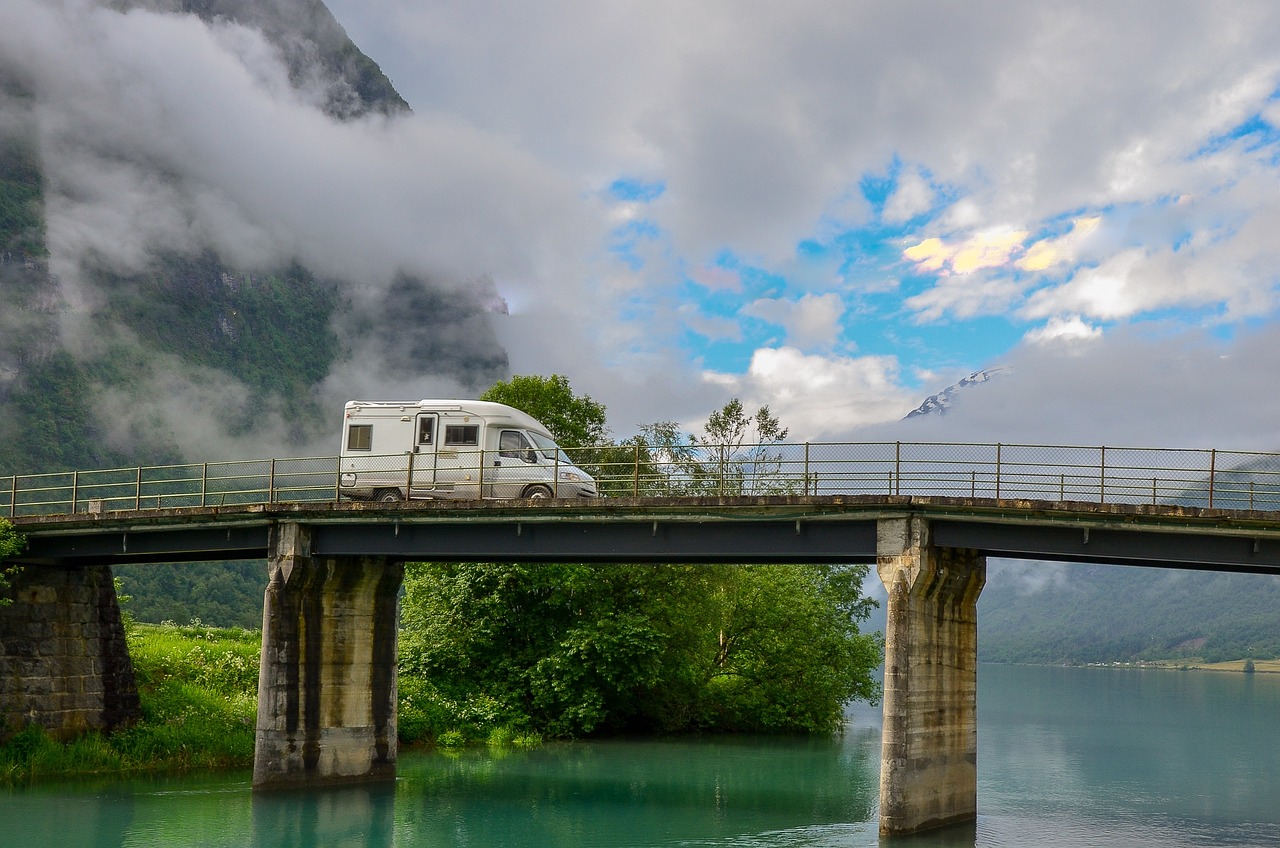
(1199, 478)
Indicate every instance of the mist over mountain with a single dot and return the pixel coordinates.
(184, 274)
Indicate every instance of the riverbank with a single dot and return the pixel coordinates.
(198, 688)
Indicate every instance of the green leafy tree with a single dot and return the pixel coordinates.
(738, 453)
(11, 542)
(574, 422)
(575, 649)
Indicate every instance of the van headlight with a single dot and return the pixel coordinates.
(571, 476)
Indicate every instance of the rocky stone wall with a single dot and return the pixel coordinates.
(64, 664)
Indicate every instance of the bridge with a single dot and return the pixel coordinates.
(327, 686)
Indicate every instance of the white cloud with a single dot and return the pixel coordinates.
(1063, 329)
(821, 397)
(913, 196)
(813, 321)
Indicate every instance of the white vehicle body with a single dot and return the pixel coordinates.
(462, 449)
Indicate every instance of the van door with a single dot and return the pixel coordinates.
(425, 433)
(458, 456)
(515, 466)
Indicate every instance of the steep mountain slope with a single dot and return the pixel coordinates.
(183, 350)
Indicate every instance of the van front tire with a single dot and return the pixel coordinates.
(387, 496)
(538, 492)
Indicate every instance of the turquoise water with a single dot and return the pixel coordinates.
(1067, 757)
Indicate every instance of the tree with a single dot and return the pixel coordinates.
(569, 649)
(575, 649)
(574, 422)
(10, 543)
(737, 454)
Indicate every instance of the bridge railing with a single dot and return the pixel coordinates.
(1202, 478)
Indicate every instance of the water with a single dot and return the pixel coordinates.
(1067, 757)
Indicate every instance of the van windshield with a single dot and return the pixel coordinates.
(549, 449)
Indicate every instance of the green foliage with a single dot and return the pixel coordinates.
(574, 422)
(1107, 613)
(198, 687)
(21, 199)
(226, 594)
(11, 543)
(272, 331)
(568, 650)
(737, 454)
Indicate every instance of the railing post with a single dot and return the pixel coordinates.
(635, 482)
(1102, 477)
(555, 479)
(137, 491)
(271, 482)
(13, 496)
(1213, 468)
(806, 470)
(408, 483)
(204, 484)
(998, 471)
(75, 490)
(480, 475)
(1153, 491)
(897, 467)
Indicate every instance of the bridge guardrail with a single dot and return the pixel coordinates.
(1190, 477)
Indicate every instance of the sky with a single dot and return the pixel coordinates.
(839, 208)
(832, 208)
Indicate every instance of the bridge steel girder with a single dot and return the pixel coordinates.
(606, 541)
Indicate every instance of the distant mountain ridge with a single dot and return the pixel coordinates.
(941, 402)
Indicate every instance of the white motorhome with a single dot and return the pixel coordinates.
(462, 449)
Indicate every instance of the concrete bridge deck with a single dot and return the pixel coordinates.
(839, 528)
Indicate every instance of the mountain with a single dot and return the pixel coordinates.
(166, 342)
(939, 404)
(1040, 612)
(132, 331)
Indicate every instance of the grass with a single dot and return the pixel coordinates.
(198, 687)
(199, 691)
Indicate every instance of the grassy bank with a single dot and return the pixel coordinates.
(199, 691)
(198, 687)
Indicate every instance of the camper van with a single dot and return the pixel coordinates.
(462, 449)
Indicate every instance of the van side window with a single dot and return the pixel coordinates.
(512, 444)
(426, 430)
(360, 437)
(462, 434)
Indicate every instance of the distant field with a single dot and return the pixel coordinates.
(1259, 666)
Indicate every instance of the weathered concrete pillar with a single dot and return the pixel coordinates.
(64, 664)
(327, 687)
(929, 755)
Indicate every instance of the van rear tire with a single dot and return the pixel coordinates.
(538, 492)
(387, 496)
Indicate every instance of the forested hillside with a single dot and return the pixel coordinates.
(1056, 613)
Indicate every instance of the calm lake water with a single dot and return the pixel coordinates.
(1067, 757)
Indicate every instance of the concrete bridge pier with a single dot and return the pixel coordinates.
(929, 753)
(327, 686)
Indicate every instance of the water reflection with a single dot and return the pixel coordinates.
(357, 816)
(1067, 757)
(651, 792)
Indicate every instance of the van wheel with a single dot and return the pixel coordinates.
(537, 492)
(387, 496)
